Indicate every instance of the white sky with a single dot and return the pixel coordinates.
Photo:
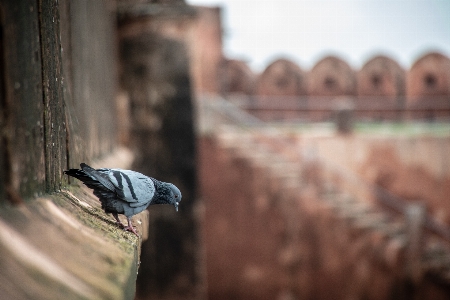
(259, 31)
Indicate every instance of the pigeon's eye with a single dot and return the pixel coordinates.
(176, 196)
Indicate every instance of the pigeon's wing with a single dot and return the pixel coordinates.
(133, 187)
(99, 176)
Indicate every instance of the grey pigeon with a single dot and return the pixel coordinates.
(126, 192)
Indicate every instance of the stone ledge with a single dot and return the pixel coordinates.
(63, 246)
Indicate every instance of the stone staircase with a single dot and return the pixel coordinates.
(385, 238)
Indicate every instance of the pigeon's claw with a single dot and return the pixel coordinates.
(130, 227)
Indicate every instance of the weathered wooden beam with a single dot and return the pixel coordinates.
(52, 84)
(23, 107)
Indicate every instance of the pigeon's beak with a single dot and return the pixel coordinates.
(176, 206)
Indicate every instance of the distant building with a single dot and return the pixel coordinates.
(237, 78)
(282, 78)
(332, 77)
(428, 86)
(381, 76)
(380, 88)
(282, 85)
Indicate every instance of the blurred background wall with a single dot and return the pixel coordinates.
(326, 182)
(286, 206)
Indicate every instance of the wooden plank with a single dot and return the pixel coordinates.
(4, 168)
(23, 125)
(54, 113)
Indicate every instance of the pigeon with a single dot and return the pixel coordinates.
(126, 192)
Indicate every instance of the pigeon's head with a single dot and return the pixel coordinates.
(175, 196)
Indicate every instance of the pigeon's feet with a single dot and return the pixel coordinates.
(131, 229)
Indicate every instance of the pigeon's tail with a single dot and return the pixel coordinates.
(78, 174)
(85, 177)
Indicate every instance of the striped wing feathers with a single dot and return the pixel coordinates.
(133, 187)
(130, 186)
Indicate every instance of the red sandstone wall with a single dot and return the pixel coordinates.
(205, 45)
(381, 76)
(236, 78)
(280, 88)
(414, 167)
(331, 76)
(429, 76)
(244, 230)
(281, 78)
(271, 235)
(428, 87)
(381, 89)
